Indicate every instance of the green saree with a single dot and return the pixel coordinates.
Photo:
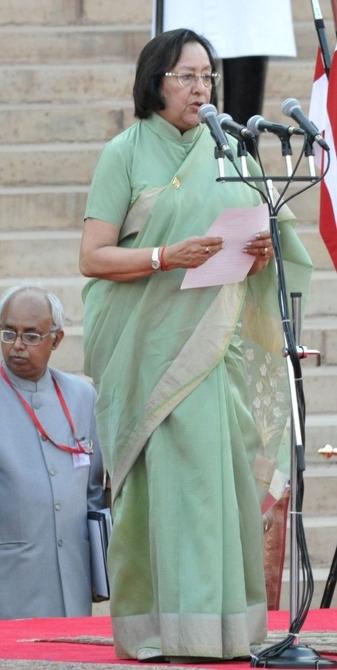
(192, 405)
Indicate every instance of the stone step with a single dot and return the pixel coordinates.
(75, 83)
(63, 206)
(73, 163)
(50, 252)
(68, 290)
(322, 296)
(44, 123)
(29, 243)
(42, 208)
(320, 488)
(63, 12)
(302, 11)
(305, 205)
(321, 333)
(78, 85)
(321, 429)
(111, 41)
(34, 12)
(321, 537)
(105, 11)
(272, 105)
(48, 164)
(320, 576)
(321, 426)
(320, 389)
(320, 325)
(69, 355)
(72, 44)
(319, 383)
(315, 246)
(306, 36)
(289, 79)
(106, 81)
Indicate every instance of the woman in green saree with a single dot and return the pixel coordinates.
(192, 392)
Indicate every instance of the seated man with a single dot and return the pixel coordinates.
(50, 465)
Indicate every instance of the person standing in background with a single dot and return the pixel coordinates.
(244, 35)
(50, 465)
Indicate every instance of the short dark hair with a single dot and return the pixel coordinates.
(158, 56)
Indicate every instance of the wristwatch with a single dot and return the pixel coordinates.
(155, 260)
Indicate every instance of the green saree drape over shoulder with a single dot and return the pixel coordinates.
(192, 405)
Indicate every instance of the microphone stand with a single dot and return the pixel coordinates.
(289, 653)
(219, 156)
(309, 153)
(159, 20)
(242, 154)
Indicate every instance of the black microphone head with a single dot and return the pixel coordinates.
(253, 124)
(206, 109)
(289, 105)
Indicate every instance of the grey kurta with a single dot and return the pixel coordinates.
(44, 499)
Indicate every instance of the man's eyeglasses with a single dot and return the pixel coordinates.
(186, 79)
(30, 339)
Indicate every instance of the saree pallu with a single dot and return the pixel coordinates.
(191, 415)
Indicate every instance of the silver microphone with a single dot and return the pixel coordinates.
(208, 114)
(230, 126)
(291, 107)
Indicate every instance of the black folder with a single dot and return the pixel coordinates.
(99, 529)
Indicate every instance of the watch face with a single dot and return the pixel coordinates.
(155, 260)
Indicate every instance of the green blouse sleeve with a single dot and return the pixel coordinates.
(110, 191)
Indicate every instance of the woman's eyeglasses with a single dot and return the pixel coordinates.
(186, 79)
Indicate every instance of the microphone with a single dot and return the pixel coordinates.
(241, 133)
(234, 128)
(208, 114)
(258, 124)
(291, 107)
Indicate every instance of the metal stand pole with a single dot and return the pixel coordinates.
(159, 19)
(292, 654)
(294, 555)
(289, 653)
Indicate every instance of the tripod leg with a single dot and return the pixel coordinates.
(330, 583)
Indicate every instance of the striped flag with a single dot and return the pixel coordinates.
(323, 112)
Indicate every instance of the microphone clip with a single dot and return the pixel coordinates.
(219, 155)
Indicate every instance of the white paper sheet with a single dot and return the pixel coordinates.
(237, 226)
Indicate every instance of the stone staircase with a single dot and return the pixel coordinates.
(66, 72)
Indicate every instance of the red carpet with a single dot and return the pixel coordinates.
(37, 638)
